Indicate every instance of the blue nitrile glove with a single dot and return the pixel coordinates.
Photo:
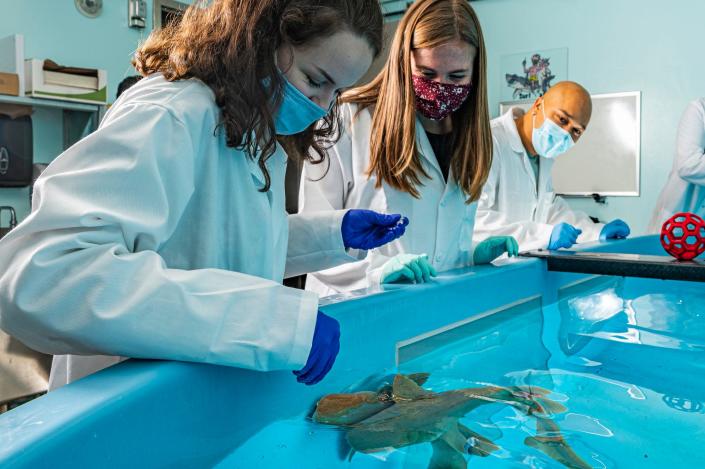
(493, 247)
(411, 267)
(324, 349)
(366, 229)
(616, 229)
(563, 236)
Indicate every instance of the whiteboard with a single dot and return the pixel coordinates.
(607, 158)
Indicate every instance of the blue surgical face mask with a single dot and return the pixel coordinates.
(296, 112)
(550, 140)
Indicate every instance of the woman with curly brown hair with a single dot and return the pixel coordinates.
(163, 234)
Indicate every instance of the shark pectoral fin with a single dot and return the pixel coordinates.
(446, 457)
(547, 427)
(550, 406)
(535, 390)
(455, 438)
(405, 388)
(475, 443)
(532, 442)
(351, 453)
(466, 432)
(345, 451)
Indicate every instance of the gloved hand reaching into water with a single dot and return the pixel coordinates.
(493, 247)
(408, 267)
(324, 350)
(366, 229)
(563, 236)
(616, 229)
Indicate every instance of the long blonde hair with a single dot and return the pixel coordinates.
(394, 156)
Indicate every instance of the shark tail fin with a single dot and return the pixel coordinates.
(550, 406)
(477, 444)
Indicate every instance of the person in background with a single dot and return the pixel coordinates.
(126, 83)
(163, 234)
(685, 189)
(518, 198)
(415, 140)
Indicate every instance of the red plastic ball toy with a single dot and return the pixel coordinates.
(683, 236)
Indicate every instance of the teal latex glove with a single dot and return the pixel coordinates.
(493, 247)
(408, 267)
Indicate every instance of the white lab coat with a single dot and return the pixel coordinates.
(511, 205)
(685, 189)
(150, 238)
(441, 223)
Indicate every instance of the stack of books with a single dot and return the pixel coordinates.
(47, 79)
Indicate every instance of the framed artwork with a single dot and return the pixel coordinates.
(529, 75)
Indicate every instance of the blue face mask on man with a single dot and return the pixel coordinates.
(296, 112)
(550, 140)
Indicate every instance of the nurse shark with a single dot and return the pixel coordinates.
(404, 414)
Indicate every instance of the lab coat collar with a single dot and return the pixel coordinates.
(510, 128)
(426, 150)
(279, 158)
(427, 153)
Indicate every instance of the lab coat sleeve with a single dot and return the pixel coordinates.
(691, 144)
(560, 212)
(491, 221)
(82, 274)
(326, 187)
(315, 242)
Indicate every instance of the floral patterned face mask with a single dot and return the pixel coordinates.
(437, 100)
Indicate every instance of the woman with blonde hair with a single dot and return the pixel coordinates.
(416, 140)
(163, 234)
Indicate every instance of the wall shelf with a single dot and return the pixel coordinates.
(50, 103)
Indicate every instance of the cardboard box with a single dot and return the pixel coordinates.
(37, 86)
(9, 84)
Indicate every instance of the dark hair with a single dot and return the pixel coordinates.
(230, 45)
(126, 83)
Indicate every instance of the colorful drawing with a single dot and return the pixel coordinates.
(529, 79)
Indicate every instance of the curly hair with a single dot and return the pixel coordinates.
(230, 46)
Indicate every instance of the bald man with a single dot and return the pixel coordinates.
(518, 198)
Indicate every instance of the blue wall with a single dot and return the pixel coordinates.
(614, 46)
(55, 29)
